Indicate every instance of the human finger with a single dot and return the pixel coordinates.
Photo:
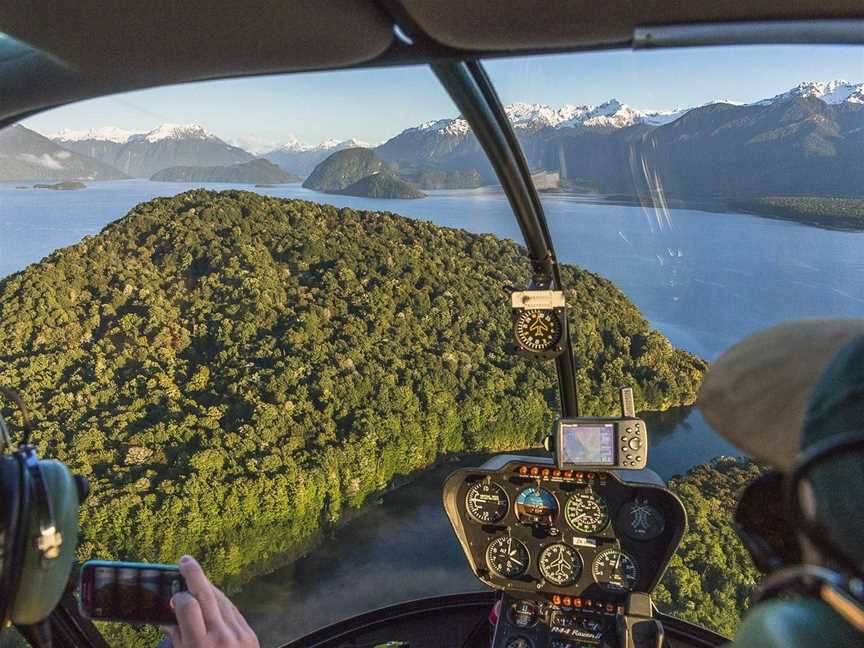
(200, 587)
(189, 618)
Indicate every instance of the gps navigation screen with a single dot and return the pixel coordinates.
(588, 444)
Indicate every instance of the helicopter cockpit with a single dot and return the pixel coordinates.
(243, 366)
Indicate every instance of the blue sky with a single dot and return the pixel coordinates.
(374, 105)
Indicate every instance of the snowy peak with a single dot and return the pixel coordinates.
(831, 92)
(175, 132)
(525, 116)
(106, 134)
(293, 145)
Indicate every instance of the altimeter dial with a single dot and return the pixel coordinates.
(615, 571)
(560, 565)
(507, 557)
(538, 330)
(486, 502)
(586, 512)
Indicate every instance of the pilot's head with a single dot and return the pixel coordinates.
(784, 396)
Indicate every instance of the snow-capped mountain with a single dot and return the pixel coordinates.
(527, 117)
(106, 133)
(142, 154)
(615, 114)
(831, 92)
(175, 132)
(300, 159)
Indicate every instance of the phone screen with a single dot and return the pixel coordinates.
(132, 592)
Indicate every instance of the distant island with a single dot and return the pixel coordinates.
(60, 186)
(427, 176)
(258, 171)
(359, 172)
(830, 213)
(383, 185)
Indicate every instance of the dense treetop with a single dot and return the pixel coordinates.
(383, 185)
(254, 171)
(711, 577)
(233, 371)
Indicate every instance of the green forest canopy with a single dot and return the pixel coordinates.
(232, 371)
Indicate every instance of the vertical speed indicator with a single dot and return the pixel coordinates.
(486, 502)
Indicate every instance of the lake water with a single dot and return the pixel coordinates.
(704, 279)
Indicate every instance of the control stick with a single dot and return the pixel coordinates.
(637, 627)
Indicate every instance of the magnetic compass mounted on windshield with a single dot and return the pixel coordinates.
(539, 323)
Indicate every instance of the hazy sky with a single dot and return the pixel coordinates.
(374, 105)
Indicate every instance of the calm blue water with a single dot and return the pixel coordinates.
(703, 279)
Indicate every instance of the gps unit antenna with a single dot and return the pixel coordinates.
(628, 407)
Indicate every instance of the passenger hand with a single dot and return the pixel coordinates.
(206, 618)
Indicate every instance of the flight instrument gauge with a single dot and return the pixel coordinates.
(615, 571)
(507, 557)
(560, 565)
(486, 503)
(640, 521)
(538, 330)
(536, 506)
(586, 512)
(539, 323)
(519, 642)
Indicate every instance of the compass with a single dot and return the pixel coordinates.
(539, 323)
(537, 330)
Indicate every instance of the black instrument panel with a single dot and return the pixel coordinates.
(531, 527)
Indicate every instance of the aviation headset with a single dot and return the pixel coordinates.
(39, 500)
(842, 589)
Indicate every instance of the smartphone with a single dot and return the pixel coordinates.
(129, 592)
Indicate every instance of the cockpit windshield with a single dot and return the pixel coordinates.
(267, 317)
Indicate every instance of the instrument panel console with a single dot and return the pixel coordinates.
(567, 547)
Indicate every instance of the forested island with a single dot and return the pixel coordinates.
(383, 185)
(821, 211)
(233, 372)
(257, 171)
(68, 185)
(359, 172)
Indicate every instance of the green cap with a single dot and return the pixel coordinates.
(836, 406)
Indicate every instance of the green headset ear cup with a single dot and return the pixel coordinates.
(11, 538)
(43, 582)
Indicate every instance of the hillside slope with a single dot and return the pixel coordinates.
(383, 185)
(27, 155)
(255, 171)
(233, 371)
(343, 168)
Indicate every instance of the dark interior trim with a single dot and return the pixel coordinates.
(780, 32)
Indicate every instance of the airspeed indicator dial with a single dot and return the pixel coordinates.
(486, 503)
(586, 512)
(507, 557)
(537, 330)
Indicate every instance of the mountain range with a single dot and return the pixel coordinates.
(143, 154)
(805, 141)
